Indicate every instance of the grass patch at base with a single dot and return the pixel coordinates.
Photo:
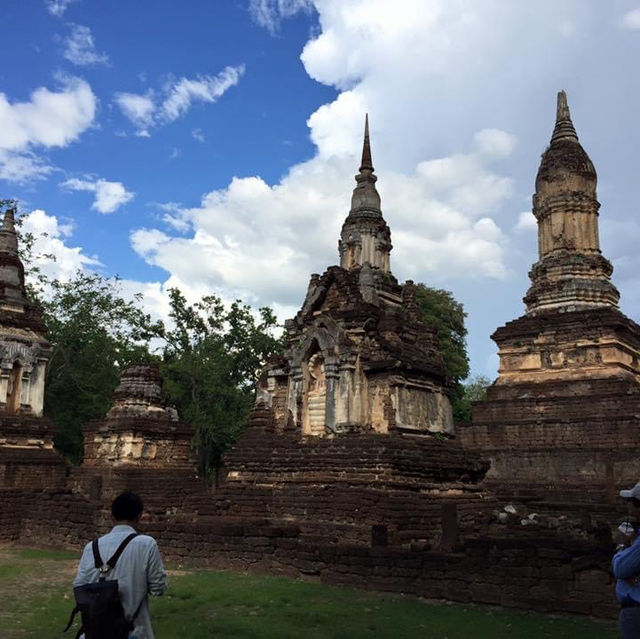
(36, 598)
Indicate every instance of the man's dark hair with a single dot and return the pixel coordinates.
(636, 502)
(126, 507)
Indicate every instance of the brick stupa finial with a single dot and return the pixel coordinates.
(365, 237)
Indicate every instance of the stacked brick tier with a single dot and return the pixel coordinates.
(560, 442)
(340, 489)
(27, 458)
(142, 440)
(396, 460)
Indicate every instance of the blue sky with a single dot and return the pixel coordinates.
(212, 145)
(146, 45)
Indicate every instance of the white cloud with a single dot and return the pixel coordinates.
(174, 216)
(58, 260)
(49, 119)
(58, 7)
(80, 48)
(182, 93)
(155, 297)
(526, 223)
(22, 167)
(50, 238)
(109, 196)
(261, 242)
(198, 135)
(631, 20)
(270, 13)
(137, 108)
(144, 111)
(495, 143)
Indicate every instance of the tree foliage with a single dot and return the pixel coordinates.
(210, 365)
(95, 333)
(473, 390)
(211, 355)
(440, 309)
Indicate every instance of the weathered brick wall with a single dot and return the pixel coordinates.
(558, 436)
(11, 510)
(395, 513)
(59, 518)
(537, 569)
(31, 469)
(519, 569)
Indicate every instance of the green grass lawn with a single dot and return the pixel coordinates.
(35, 601)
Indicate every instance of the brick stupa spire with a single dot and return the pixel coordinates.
(571, 274)
(365, 236)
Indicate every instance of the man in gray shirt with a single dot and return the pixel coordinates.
(139, 569)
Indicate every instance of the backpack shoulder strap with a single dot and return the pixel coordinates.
(116, 555)
(96, 554)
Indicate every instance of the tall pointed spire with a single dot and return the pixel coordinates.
(571, 273)
(366, 164)
(8, 223)
(365, 236)
(12, 290)
(366, 199)
(564, 129)
(8, 237)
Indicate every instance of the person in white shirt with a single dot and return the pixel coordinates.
(139, 569)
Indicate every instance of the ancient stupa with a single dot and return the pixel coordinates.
(139, 430)
(359, 355)
(564, 409)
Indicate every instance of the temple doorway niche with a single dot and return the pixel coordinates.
(14, 389)
(316, 393)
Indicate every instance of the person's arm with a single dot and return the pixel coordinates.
(84, 567)
(156, 575)
(626, 563)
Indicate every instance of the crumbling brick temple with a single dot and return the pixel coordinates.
(351, 469)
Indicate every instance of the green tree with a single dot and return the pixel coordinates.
(6, 204)
(210, 365)
(95, 333)
(441, 310)
(473, 390)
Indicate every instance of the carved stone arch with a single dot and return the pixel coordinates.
(315, 339)
(13, 352)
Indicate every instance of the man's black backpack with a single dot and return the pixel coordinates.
(99, 603)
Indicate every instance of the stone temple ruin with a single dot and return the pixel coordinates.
(350, 470)
(359, 356)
